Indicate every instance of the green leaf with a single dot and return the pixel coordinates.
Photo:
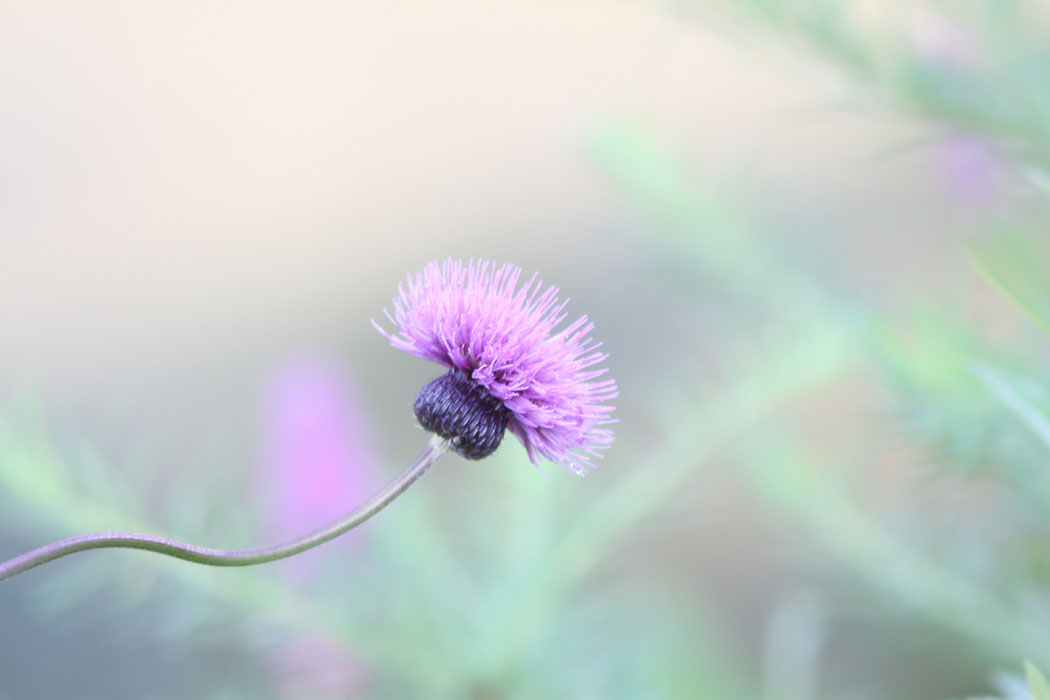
(1036, 682)
(1014, 262)
(1026, 401)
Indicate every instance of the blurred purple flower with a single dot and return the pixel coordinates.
(500, 343)
(967, 166)
(316, 667)
(319, 460)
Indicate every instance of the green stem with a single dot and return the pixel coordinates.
(233, 557)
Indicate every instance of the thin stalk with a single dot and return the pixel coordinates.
(232, 557)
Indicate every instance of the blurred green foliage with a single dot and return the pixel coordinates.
(983, 70)
(1037, 682)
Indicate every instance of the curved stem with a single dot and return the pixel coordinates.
(233, 557)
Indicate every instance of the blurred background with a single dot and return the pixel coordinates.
(811, 234)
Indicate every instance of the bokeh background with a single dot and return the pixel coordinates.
(811, 233)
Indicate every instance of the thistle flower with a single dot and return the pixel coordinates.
(508, 366)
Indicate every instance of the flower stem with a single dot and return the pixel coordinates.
(233, 557)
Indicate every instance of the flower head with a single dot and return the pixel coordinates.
(508, 365)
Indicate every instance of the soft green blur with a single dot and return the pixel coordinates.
(811, 235)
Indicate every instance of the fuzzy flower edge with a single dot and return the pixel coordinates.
(476, 317)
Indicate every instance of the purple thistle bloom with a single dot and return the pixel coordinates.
(508, 366)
